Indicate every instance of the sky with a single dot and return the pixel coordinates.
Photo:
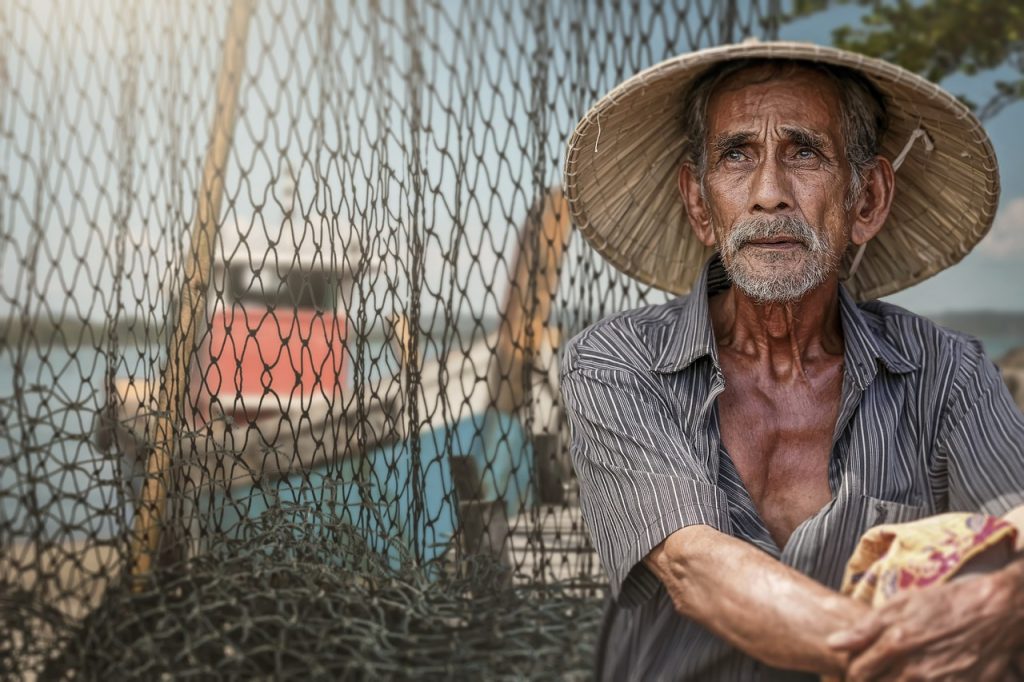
(991, 277)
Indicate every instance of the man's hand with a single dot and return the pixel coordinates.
(964, 630)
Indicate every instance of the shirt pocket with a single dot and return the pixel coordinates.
(876, 511)
(861, 513)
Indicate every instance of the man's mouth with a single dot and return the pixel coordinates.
(776, 242)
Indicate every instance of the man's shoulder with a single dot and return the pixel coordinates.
(919, 337)
(627, 340)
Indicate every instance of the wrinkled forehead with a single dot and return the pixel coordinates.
(802, 95)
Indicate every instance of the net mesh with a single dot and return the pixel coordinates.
(282, 291)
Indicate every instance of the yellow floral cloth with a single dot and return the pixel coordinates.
(893, 558)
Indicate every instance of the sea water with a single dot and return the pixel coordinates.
(54, 483)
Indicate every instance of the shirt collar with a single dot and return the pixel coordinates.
(691, 337)
(866, 344)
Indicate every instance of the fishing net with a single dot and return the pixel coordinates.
(310, 599)
(283, 288)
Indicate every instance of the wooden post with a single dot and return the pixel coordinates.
(523, 322)
(145, 539)
(543, 240)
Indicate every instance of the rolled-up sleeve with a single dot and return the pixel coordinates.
(982, 438)
(639, 478)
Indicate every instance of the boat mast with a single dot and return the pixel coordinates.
(145, 539)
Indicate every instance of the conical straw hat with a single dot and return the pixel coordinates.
(623, 159)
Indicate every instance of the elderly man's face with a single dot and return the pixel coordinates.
(777, 181)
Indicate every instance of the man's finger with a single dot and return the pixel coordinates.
(882, 655)
(997, 670)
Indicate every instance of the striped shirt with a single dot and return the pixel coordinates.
(925, 426)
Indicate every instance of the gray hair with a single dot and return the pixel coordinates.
(862, 108)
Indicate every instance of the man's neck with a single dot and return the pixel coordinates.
(783, 338)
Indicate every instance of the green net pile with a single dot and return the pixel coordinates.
(307, 598)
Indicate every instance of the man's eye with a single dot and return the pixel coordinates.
(733, 155)
(805, 153)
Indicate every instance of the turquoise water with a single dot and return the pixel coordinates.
(56, 484)
(997, 346)
(395, 507)
(53, 482)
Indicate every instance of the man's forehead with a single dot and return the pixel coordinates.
(789, 94)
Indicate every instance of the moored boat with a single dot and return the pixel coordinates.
(277, 418)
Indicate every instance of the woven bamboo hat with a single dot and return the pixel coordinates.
(624, 156)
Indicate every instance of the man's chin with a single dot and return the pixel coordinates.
(780, 280)
(777, 292)
(758, 263)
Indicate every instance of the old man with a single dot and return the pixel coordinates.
(733, 445)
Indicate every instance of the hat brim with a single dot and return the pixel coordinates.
(624, 156)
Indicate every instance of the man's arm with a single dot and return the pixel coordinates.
(753, 601)
(967, 628)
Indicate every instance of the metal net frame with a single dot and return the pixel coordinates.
(283, 288)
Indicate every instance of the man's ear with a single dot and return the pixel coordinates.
(871, 208)
(696, 207)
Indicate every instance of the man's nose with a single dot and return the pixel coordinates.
(770, 192)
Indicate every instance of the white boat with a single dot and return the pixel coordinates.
(456, 452)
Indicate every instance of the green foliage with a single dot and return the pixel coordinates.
(939, 38)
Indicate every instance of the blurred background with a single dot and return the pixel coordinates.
(284, 285)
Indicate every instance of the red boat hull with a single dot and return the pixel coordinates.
(259, 363)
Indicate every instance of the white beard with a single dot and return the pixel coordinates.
(785, 276)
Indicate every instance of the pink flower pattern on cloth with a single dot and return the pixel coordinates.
(893, 558)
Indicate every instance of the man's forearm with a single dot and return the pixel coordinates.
(754, 602)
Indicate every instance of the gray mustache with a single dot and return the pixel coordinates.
(765, 227)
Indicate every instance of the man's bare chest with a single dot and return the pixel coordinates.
(779, 438)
